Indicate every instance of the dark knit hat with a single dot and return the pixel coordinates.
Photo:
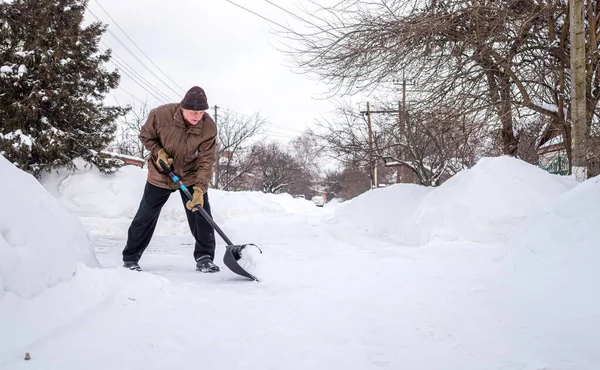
(195, 99)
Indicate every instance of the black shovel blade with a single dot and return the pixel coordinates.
(231, 258)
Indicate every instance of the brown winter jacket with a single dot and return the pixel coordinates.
(191, 147)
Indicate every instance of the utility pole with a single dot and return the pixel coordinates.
(578, 93)
(373, 167)
(403, 173)
(216, 116)
(217, 173)
(403, 111)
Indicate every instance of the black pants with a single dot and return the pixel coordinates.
(143, 224)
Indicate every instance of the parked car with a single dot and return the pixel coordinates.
(299, 196)
(318, 200)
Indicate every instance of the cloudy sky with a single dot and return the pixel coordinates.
(226, 50)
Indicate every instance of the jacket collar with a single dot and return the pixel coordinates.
(180, 121)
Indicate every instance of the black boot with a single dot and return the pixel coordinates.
(132, 265)
(205, 264)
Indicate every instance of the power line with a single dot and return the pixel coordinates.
(267, 123)
(134, 55)
(283, 128)
(258, 15)
(293, 14)
(131, 72)
(141, 51)
(125, 71)
(117, 96)
(121, 63)
(300, 18)
(140, 81)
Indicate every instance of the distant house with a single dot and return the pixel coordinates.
(552, 155)
(127, 159)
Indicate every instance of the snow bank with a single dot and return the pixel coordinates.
(333, 203)
(40, 243)
(93, 196)
(484, 204)
(28, 322)
(239, 204)
(556, 274)
(387, 211)
(558, 252)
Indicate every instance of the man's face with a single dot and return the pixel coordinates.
(192, 116)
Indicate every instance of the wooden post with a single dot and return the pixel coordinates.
(578, 93)
(373, 168)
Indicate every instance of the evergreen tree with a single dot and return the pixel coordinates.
(52, 85)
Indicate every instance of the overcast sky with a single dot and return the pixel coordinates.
(213, 44)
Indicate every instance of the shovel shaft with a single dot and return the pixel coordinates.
(203, 212)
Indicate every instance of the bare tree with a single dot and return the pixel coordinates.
(498, 55)
(333, 184)
(355, 181)
(308, 150)
(465, 51)
(128, 141)
(556, 75)
(347, 135)
(433, 145)
(236, 134)
(277, 171)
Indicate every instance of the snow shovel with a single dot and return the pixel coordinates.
(232, 252)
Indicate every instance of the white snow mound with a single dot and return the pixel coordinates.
(94, 197)
(484, 204)
(40, 243)
(251, 261)
(558, 252)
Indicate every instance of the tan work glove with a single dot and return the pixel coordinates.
(198, 199)
(162, 155)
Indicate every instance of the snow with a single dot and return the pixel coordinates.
(556, 253)
(24, 54)
(122, 156)
(554, 141)
(22, 70)
(546, 106)
(250, 260)
(41, 245)
(89, 194)
(495, 269)
(24, 139)
(484, 204)
(6, 70)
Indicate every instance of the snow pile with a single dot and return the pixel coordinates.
(251, 261)
(88, 192)
(556, 274)
(333, 203)
(239, 204)
(95, 197)
(558, 252)
(40, 244)
(484, 204)
(387, 211)
(28, 322)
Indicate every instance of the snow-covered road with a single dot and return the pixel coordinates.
(331, 298)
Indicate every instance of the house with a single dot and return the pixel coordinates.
(552, 155)
(127, 159)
